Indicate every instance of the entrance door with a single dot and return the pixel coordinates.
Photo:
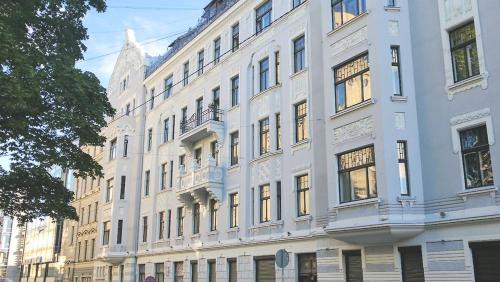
(353, 268)
(486, 258)
(411, 264)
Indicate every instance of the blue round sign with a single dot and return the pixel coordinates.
(150, 279)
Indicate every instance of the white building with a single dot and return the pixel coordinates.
(347, 132)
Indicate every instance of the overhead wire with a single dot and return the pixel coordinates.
(230, 50)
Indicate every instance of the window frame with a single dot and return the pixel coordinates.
(264, 74)
(217, 48)
(265, 203)
(235, 91)
(214, 208)
(464, 46)
(235, 37)
(201, 61)
(264, 136)
(168, 85)
(359, 73)
(112, 149)
(354, 168)
(234, 147)
(180, 221)
(161, 225)
(475, 150)
(185, 74)
(402, 150)
(147, 180)
(299, 51)
(303, 194)
(234, 203)
(196, 218)
(260, 16)
(361, 9)
(396, 63)
(301, 122)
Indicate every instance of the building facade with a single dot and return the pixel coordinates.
(357, 135)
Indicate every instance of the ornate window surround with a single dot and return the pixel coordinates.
(469, 120)
(453, 13)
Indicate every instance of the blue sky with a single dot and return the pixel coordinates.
(148, 18)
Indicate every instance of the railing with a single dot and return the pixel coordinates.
(197, 119)
(209, 172)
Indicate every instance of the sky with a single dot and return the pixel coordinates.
(150, 19)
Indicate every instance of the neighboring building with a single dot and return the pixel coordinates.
(79, 237)
(5, 237)
(16, 248)
(356, 134)
(42, 246)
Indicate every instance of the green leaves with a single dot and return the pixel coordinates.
(46, 104)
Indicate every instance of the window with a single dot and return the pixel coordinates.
(105, 233)
(299, 55)
(182, 159)
(178, 271)
(196, 218)
(214, 207)
(476, 157)
(185, 75)
(169, 223)
(265, 142)
(303, 196)
(82, 215)
(263, 16)
(159, 272)
(235, 91)
(122, 187)
(216, 100)
(234, 147)
(301, 124)
(119, 232)
(146, 182)
(142, 272)
(92, 248)
(277, 68)
(217, 50)
(171, 182)
(127, 109)
(464, 52)
(357, 174)
(308, 270)
(214, 151)
(232, 269)
(201, 62)
(161, 225)
(234, 203)
(173, 127)
(278, 200)
(163, 180)
(150, 139)
(109, 190)
(396, 71)
(278, 131)
(125, 146)
(392, 3)
(353, 266)
(180, 221)
(197, 156)
(72, 238)
(352, 83)
(264, 74)
(235, 37)
(95, 211)
(212, 274)
(194, 271)
(110, 273)
(152, 99)
(165, 130)
(169, 82)
(297, 3)
(404, 182)
(345, 10)
(265, 203)
(183, 117)
(144, 229)
(112, 149)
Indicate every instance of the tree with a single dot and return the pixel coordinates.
(46, 105)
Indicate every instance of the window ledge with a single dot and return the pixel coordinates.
(266, 156)
(303, 218)
(359, 203)
(407, 200)
(233, 108)
(466, 84)
(293, 75)
(195, 236)
(233, 168)
(213, 233)
(353, 108)
(261, 93)
(349, 23)
(396, 98)
(301, 145)
(392, 8)
(233, 230)
(478, 191)
(266, 225)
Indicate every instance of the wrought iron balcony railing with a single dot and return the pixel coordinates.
(197, 119)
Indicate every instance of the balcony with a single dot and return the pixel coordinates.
(201, 125)
(201, 183)
(114, 254)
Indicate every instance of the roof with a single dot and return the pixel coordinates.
(212, 11)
